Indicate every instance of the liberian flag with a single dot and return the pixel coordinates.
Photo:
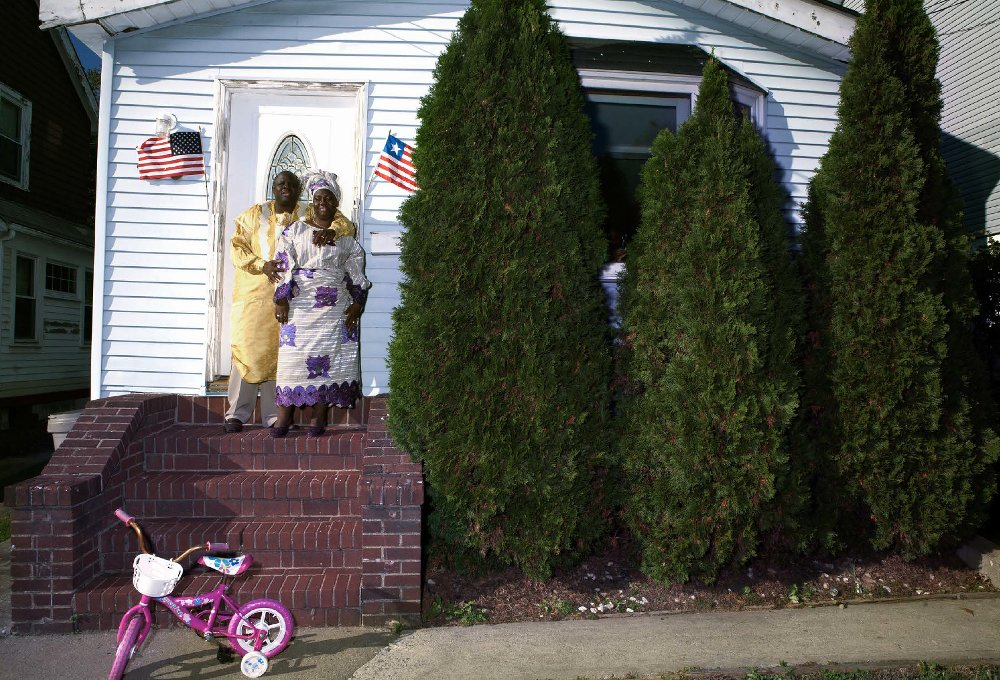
(174, 156)
(395, 164)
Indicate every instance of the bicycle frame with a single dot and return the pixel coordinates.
(188, 611)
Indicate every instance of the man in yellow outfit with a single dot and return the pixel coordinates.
(253, 327)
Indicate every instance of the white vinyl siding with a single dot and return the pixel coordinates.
(55, 360)
(969, 72)
(157, 240)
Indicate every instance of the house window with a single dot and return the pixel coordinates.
(627, 109)
(88, 306)
(625, 123)
(25, 299)
(291, 155)
(15, 131)
(60, 279)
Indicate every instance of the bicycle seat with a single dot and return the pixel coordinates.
(230, 566)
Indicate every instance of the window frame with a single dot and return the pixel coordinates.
(62, 295)
(669, 83)
(24, 104)
(35, 297)
(86, 306)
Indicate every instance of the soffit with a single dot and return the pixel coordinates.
(813, 25)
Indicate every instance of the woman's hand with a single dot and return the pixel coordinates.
(352, 316)
(281, 311)
(272, 270)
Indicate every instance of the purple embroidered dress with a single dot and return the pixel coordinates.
(318, 360)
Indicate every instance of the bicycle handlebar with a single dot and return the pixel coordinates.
(129, 520)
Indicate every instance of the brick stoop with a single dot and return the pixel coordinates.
(333, 522)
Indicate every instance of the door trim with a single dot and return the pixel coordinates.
(225, 90)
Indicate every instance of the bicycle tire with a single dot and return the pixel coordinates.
(126, 648)
(270, 613)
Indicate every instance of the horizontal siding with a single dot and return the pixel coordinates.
(57, 361)
(969, 71)
(157, 232)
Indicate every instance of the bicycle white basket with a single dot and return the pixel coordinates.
(155, 576)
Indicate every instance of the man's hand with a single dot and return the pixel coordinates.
(352, 314)
(272, 270)
(324, 237)
(281, 311)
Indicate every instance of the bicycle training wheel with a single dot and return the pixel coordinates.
(126, 648)
(266, 615)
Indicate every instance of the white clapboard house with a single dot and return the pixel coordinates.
(320, 83)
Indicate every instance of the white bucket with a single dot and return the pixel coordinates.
(60, 424)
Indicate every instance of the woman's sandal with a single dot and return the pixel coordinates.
(279, 431)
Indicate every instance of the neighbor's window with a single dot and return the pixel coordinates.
(60, 279)
(15, 131)
(25, 299)
(88, 306)
(291, 155)
(625, 123)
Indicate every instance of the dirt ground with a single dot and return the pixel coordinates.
(611, 584)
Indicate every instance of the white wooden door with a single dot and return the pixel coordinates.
(328, 125)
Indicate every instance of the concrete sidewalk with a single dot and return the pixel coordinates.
(945, 631)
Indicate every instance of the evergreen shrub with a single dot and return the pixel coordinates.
(710, 312)
(500, 359)
(985, 268)
(904, 417)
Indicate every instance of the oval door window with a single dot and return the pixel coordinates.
(291, 155)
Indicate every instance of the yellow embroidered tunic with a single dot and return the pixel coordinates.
(253, 328)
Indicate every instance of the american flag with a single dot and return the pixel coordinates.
(395, 164)
(174, 156)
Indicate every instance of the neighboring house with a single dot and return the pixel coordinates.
(321, 83)
(48, 119)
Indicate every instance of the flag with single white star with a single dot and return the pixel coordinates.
(395, 164)
(173, 156)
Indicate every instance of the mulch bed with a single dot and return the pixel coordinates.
(611, 584)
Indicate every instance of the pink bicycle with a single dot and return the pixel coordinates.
(257, 631)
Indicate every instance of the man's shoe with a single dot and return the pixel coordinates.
(232, 426)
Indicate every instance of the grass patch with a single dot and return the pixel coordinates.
(4, 523)
(922, 671)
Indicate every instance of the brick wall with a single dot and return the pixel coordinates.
(59, 517)
(392, 500)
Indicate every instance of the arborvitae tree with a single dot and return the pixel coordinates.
(907, 417)
(710, 311)
(985, 269)
(500, 359)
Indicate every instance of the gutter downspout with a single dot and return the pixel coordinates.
(100, 217)
(7, 232)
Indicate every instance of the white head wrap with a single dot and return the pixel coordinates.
(321, 179)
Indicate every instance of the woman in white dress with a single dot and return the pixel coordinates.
(318, 304)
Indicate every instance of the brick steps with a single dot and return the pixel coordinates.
(294, 503)
(315, 598)
(228, 495)
(209, 449)
(276, 545)
(333, 522)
